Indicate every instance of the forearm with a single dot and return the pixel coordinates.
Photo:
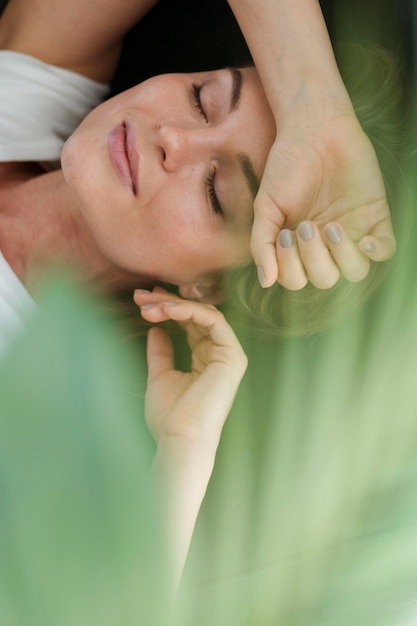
(291, 49)
(77, 35)
(181, 472)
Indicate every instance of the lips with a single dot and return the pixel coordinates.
(124, 155)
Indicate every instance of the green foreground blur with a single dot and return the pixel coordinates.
(311, 514)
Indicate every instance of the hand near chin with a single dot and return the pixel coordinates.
(321, 210)
(185, 411)
(190, 406)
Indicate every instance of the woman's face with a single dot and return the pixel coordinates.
(165, 173)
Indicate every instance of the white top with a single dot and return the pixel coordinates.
(40, 106)
(16, 305)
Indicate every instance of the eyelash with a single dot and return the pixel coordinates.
(212, 193)
(212, 174)
(197, 101)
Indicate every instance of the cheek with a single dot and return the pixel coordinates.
(184, 231)
(80, 165)
(177, 212)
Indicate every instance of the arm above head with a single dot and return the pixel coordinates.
(81, 36)
(290, 45)
(322, 172)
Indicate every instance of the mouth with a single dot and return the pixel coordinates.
(124, 155)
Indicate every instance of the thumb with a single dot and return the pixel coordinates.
(159, 352)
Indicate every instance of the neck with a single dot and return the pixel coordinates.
(41, 226)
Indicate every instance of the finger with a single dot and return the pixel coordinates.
(319, 265)
(211, 323)
(380, 244)
(268, 219)
(150, 303)
(159, 351)
(209, 320)
(197, 318)
(353, 265)
(291, 274)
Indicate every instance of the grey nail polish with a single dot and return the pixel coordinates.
(305, 231)
(333, 234)
(369, 247)
(286, 238)
(261, 276)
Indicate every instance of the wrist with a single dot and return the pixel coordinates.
(175, 454)
(292, 52)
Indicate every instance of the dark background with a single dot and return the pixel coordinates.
(190, 35)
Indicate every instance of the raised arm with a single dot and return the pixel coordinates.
(322, 174)
(81, 36)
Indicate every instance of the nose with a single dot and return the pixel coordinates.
(181, 146)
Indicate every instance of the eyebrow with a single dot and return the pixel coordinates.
(237, 80)
(245, 162)
(249, 173)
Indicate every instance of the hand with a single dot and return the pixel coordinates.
(191, 406)
(324, 178)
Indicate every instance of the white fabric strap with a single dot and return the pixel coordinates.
(16, 305)
(40, 106)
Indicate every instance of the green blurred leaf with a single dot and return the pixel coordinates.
(79, 541)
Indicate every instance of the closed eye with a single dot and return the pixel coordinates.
(214, 200)
(197, 101)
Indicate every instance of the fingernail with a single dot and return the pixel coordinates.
(142, 291)
(170, 303)
(369, 247)
(286, 238)
(306, 232)
(333, 234)
(147, 306)
(261, 276)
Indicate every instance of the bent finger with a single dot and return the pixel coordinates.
(380, 244)
(319, 265)
(207, 318)
(291, 273)
(212, 323)
(353, 265)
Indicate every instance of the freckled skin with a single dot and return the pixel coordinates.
(169, 229)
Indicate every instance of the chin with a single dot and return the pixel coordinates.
(68, 161)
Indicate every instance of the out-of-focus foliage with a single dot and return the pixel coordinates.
(311, 516)
(78, 534)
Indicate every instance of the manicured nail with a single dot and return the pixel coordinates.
(369, 247)
(333, 234)
(147, 306)
(306, 232)
(261, 276)
(286, 238)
